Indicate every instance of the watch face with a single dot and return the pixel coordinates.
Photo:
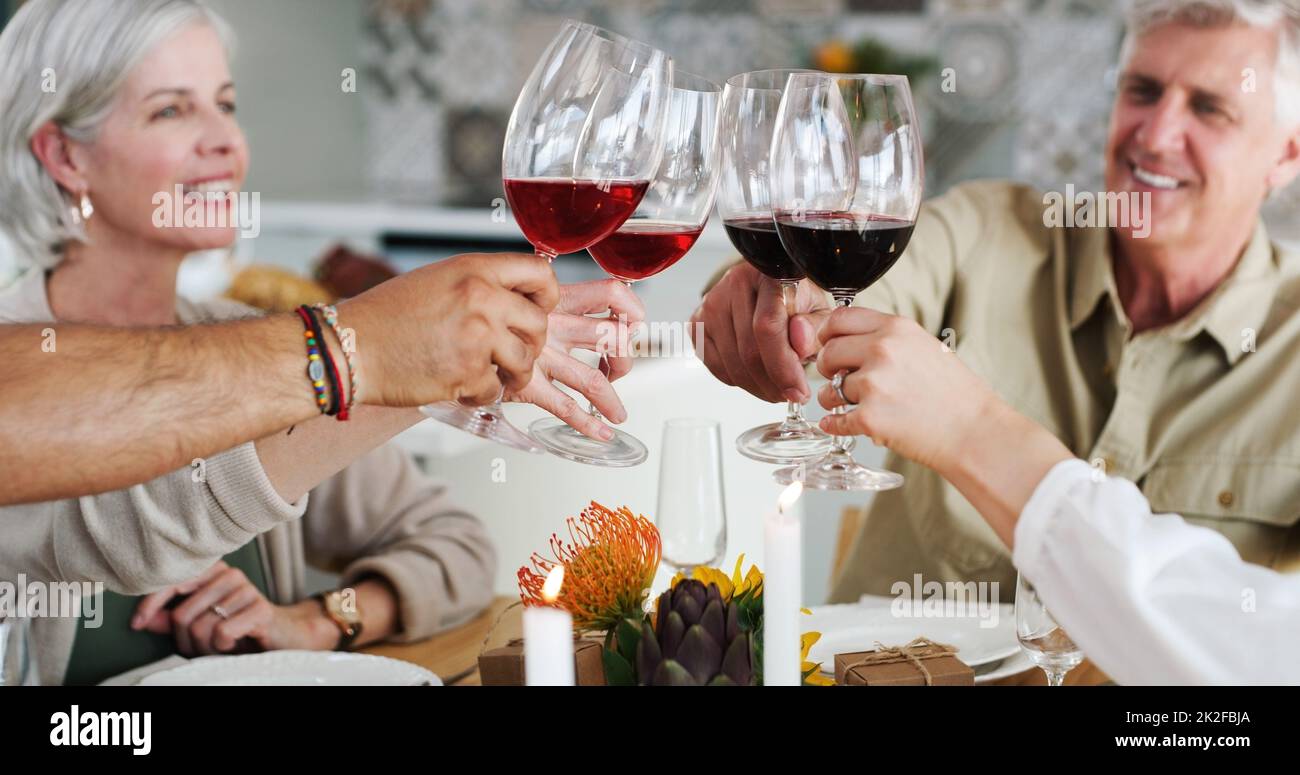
(343, 605)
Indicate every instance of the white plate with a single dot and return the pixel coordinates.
(1013, 665)
(294, 668)
(858, 626)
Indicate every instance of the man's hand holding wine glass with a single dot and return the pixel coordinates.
(750, 339)
(469, 350)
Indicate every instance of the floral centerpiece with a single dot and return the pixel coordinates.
(705, 629)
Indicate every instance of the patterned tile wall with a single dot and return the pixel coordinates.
(1031, 103)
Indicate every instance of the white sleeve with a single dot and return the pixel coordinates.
(1149, 598)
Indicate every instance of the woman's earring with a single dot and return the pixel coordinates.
(87, 209)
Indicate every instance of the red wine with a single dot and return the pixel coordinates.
(640, 249)
(559, 215)
(758, 243)
(843, 252)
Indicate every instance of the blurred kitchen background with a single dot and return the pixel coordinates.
(405, 167)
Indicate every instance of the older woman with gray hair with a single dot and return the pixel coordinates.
(104, 106)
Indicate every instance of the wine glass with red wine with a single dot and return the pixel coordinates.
(664, 227)
(847, 177)
(582, 144)
(749, 107)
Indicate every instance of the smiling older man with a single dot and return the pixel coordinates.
(1164, 349)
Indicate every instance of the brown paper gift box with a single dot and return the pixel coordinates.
(944, 668)
(504, 666)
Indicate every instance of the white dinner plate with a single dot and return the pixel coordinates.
(859, 626)
(294, 668)
(1013, 665)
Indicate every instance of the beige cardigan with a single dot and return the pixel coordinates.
(380, 515)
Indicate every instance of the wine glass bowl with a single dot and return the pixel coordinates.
(677, 202)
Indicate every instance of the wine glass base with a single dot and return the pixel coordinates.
(783, 442)
(483, 421)
(839, 475)
(559, 438)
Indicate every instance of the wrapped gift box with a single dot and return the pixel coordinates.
(505, 666)
(920, 663)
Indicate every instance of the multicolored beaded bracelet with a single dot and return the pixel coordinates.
(338, 406)
(331, 315)
(315, 366)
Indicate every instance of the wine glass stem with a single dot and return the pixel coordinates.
(843, 445)
(604, 362)
(790, 295)
(1055, 676)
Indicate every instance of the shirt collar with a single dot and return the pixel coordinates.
(1237, 307)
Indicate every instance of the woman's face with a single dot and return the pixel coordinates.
(173, 125)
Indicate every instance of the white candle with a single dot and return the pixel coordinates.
(782, 591)
(548, 638)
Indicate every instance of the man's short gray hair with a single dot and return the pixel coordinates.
(65, 61)
(1284, 15)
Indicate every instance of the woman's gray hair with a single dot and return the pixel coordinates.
(65, 61)
(1284, 15)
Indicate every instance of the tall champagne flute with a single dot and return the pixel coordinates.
(691, 513)
(749, 106)
(847, 179)
(664, 227)
(583, 141)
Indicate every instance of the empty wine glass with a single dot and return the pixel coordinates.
(1041, 638)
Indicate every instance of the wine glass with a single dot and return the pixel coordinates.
(749, 106)
(1041, 638)
(846, 180)
(663, 228)
(691, 514)
(582, 144)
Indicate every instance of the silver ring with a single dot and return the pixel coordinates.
(219, 611)
(838, 383)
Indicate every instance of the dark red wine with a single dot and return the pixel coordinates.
(641, 249)
(758, 243)
(559, 215)
(843, 252)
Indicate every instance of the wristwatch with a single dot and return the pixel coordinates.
(342, 609)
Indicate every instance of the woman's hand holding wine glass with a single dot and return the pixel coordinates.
(570, 328)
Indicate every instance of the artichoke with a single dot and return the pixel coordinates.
(698, 640)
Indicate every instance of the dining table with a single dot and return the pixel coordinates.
(453, 655)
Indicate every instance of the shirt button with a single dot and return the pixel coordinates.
(1225, 498)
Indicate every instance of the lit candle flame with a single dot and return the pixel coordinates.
(554, 580)
(788, 496)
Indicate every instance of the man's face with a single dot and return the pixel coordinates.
(1194, 124)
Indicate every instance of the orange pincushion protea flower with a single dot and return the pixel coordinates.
(608, 568)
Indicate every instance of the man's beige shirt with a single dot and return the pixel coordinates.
(1203, 414)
